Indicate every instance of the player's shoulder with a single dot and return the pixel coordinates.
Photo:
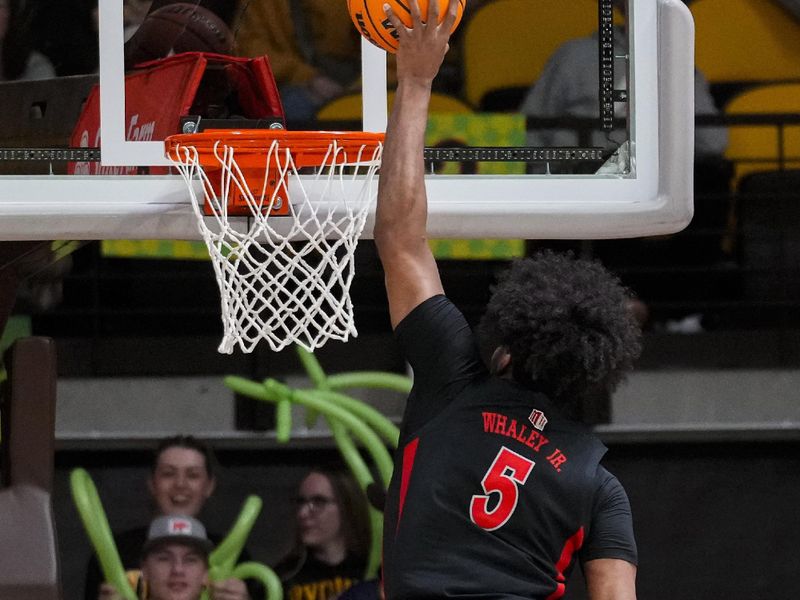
(435, 307)
(607, 487)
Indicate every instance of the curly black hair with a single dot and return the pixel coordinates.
(567, 325)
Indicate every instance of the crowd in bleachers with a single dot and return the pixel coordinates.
(733, 242)
(738, 250)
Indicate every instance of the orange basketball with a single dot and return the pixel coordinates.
(371, 21)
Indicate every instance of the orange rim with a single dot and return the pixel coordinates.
(308, 148)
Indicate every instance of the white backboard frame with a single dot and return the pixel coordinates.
(655, 199)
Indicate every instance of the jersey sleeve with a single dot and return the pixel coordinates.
(441, 348)
(611, 528)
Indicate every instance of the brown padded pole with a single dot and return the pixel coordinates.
(29, 563)
(30, 413)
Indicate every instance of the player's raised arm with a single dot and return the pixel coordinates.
(402, 211)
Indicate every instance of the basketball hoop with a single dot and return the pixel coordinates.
(284, 273)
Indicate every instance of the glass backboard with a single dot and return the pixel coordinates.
(531, 165)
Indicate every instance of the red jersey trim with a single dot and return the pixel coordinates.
(572, 545)
(409, 454)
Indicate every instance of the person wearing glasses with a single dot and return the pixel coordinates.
(332, 537)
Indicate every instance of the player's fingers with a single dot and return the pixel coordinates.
(416, 14)
(398, 25)
(451, 16)
(433, 11)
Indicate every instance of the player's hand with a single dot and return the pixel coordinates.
(230, 589)
(421, 48)
(108, 592)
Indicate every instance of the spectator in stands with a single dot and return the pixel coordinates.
(180, 482)
(568, 87)
(312, 45)
(175, 559)
(315, 51)
(332, 538)
(18, 59)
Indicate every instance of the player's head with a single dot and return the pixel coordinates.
(561, 326)
(182, 475)
(175, 558)
(331, 510)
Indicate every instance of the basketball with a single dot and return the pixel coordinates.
(176, 28)
(371, 21)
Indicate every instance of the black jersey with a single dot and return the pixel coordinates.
(494, 493)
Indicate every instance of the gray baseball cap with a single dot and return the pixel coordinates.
(179, 529)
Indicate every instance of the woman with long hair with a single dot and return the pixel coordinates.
(332, 537)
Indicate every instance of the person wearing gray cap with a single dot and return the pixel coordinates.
(182, 478)
(175, 559)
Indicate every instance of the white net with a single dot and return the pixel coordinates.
(284, 279)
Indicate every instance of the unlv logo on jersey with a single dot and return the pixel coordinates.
(537, 419)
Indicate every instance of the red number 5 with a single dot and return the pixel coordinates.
(508, 471)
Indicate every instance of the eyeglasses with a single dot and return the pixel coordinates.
(314, 503)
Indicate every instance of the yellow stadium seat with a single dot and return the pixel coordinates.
(746, 40)
(762, 143)
(508, 42)
(348, 108)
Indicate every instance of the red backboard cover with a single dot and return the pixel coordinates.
(158, 93)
